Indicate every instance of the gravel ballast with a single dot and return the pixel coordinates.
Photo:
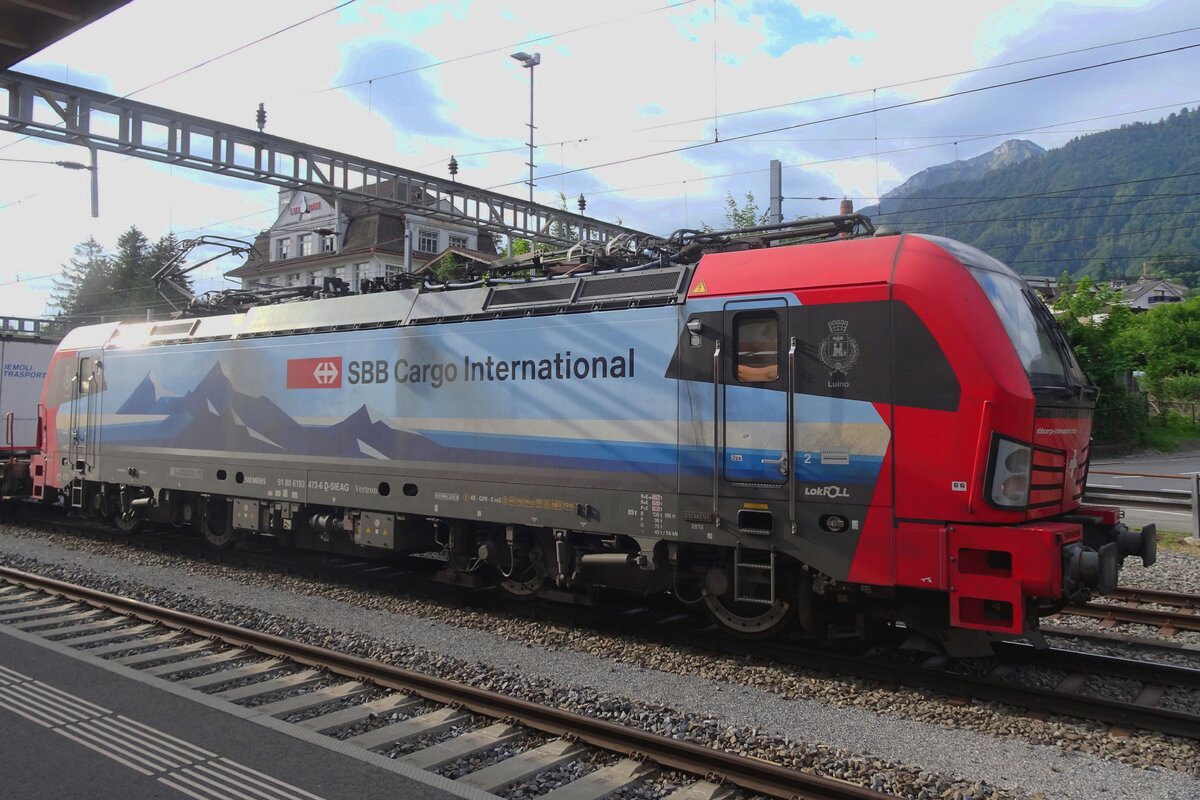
(875, 735)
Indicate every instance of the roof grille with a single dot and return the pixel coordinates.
(635, 283)
(557, 293)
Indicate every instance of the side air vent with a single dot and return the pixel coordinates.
(559, 292)
(435, 306)
(633, 284)
(183, 327)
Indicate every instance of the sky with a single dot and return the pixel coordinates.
(654, 110)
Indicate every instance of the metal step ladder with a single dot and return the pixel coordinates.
(749, 574)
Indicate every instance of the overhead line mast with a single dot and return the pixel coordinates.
(100, 121)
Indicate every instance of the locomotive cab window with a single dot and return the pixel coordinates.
(85, 376)
(756, 337)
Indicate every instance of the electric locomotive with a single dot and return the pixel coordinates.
(800, 427)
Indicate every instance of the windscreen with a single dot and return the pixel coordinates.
(1041, 346)
(1029, 334)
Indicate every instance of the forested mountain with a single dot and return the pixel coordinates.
(1102, 205)
(1012, 152)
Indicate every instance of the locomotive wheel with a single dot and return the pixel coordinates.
(525, 573)
(527, 584)
(517, 588)
(128, 525)
(215, 526)
(749, 620)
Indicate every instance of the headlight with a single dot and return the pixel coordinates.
(1010, 472)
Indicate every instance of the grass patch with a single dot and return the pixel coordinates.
(1169, 433)
(1173, 540)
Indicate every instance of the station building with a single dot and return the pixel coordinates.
(317, 236)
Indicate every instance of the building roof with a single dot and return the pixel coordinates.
(369, 231)
(1136, 291)
(29, 27)
(477, 256)
(375, 232)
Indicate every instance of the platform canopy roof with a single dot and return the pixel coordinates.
(27, 26)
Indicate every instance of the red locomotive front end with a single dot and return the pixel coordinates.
(1018, 541)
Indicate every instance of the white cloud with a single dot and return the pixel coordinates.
(594, 91)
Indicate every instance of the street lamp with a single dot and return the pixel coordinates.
(529, 62)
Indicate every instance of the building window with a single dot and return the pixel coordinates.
(283, 249)
(360, 275)
(427, 241)
(458, 240)
(328, 243)
(314, 277)
(391, 270)
(292, 279)
(306, 244)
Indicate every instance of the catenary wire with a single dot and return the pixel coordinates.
(1034, 217)
(854, 114)
(240, 48)
(756, 109)
(1045, 193)
(957, 74)
(975, 137)
(499, 49)
(773, 107)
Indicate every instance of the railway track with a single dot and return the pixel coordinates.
(285, 679)
(1127, 606)
(1073, 675)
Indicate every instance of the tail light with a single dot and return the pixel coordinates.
(1009, 472)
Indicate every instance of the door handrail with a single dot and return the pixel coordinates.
(716, 513)
(791, 432)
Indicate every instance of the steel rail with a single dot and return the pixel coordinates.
(1065, 703)
(821, 660)
(749, 773)
(1097, 663)
(1137, 616)
(1138, 642)
(1159, 596)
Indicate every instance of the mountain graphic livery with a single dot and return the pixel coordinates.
(215, 416)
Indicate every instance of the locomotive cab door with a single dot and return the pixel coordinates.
(84, 391)
(756, 446)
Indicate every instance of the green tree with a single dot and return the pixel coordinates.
(743, 216)
(95, 285)
(1099, 329)
(1184, 388)
(83, 277)
(1168, 338)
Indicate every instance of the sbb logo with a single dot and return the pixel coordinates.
(314, 373)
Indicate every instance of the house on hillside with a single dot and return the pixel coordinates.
(1044, 285)
(1151, 293)
(317, 236)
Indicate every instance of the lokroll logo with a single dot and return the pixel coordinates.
(831, 491)
(314, 373)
